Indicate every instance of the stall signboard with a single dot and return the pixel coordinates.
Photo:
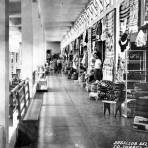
(137, 55)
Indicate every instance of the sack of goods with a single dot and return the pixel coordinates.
(82, 77)
(74, 76)
(93, 95)
(94, 87)
(141, 107)
(105, 90)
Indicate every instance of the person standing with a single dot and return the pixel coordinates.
(98, 67)
(59, 65)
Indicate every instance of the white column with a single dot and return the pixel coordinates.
(27, 41)
(42, 46)
(36, 34)
(4, 72)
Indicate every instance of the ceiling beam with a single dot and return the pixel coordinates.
(60, 24)
(19, 25)
(17, 15)
(15, 0)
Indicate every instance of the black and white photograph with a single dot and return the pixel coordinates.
(73, 73)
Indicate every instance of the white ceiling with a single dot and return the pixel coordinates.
(58, 16)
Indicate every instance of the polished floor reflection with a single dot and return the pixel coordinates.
(68, 119)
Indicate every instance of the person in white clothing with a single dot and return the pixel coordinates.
(98, 67)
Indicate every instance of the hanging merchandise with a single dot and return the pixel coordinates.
(99, 30)
(85, 59)
(120, 69)
(124, 16)
(93, 46)
(86, 37)
(133, 21)
(94, 27)
(108, 65)
(77, 44)
(110, 23)
(141, 39)
(70, 46)
(89, 49)
(103, 36)
(73, 45)
(76, 61)
(89, 45)
(66, 51)
(123, 42)
(80, 44)
(100, 48)
(94, 36)
(124, 46)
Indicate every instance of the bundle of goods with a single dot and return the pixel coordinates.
(94, 87)
(74, 76)
(82, 77)
(141, 111)
(141, 114)
(93, 95)
(140, 89)
(131, 106)
(69, 74)
(89, 81)
(105, 90)
(142, 107)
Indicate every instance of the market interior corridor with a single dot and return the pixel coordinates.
(68, 119)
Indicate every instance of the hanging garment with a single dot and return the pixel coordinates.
(124, 16)
(100, 48)
(121, 68)
(94, 27)
(99, 29)
(110, 34)
(85, 60)
(77, 44)
(110, 23)
(123, 42)
(86, 37)
(133, 21)
(75, 61)
(103, 36)
(141, 39)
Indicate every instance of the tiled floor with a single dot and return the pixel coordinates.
(68, 119)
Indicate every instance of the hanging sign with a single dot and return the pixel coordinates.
(135, 55)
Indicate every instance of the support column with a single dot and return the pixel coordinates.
(36, 35)
(4, 72)
(44, 40)
(40, 44)
(27, 41)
